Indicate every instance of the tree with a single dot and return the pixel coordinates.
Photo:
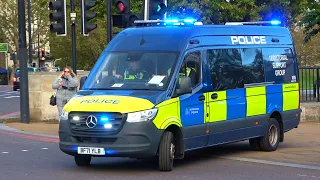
(9, 24)
(310, 20)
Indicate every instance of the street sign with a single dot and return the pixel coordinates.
(4, 47)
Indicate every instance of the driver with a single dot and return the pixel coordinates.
(134, 71)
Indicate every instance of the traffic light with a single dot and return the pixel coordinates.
(86, 16)
(59, 16)
(157, 9)
(124, 17)
(43, 53)
(122, 6)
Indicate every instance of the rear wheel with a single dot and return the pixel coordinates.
(82, 160)
(166, 152)
(14, 89)
(271, 138)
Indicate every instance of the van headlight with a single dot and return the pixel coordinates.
(64, 115)
(142, 115)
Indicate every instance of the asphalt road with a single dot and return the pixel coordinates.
(33, 157)
(9, 101)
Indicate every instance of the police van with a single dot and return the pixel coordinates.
(164, 88)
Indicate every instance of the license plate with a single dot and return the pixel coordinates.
(91, 150)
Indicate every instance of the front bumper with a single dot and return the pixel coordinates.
(135, 140)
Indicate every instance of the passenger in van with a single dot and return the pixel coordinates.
(134, 71)
(188, 72)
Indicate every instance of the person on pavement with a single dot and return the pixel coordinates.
(66, 86)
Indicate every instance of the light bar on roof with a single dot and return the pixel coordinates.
(273, 22)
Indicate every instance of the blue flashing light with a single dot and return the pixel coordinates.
(111, 152)
(275, 22)
(189, 20)
(104, 119)
(74, 148)
(172, 21)
(107, 126)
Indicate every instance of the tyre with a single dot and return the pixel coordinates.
(14, 89)
(166, 152)
(255, 144)
(271, 138)
(82, 160)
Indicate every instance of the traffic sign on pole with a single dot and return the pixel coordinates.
(4, 47)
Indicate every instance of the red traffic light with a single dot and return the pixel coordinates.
(122, 6)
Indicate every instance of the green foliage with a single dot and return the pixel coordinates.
(311, 19)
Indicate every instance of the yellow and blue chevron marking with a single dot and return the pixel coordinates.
(242, 103)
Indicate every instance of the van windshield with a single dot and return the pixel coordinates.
(132, 71)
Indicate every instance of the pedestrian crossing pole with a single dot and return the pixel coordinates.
(24, 89)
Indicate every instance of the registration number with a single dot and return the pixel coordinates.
(91, 150)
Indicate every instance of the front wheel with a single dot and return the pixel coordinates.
(166, 152)
(271, 138)
(82, 160)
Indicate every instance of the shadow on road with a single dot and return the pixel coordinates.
(191, 158)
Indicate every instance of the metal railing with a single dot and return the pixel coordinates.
(309, 83)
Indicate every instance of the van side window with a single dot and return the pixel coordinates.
(252, 63)
(225, 68)
(279, 65)
(191, 67)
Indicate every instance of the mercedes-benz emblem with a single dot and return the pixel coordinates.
(91, 121)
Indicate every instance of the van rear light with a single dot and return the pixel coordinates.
(14, 79)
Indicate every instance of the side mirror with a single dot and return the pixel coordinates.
(185, 86)
(82, 81)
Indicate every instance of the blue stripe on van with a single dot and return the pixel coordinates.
(274, 98)
(236, 104)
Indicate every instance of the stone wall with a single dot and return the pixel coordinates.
(310, 112)
(40, 91)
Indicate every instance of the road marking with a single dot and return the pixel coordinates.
(9, 97)
(44, 148)
(5, 152)
(24, 150)
(31, 137)
(272, 163)
(302, 175)
(10, 114)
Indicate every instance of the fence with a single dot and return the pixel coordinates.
(309, 83)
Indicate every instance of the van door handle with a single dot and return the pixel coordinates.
(214, 96)
(201, 98)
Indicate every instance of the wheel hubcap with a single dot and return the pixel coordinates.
(273, 135)
(172, 151)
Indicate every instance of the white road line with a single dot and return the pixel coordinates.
(9, 97)
(272, 162)
(24, 150)
(5, 152)
(303, 175)
(44, 148)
